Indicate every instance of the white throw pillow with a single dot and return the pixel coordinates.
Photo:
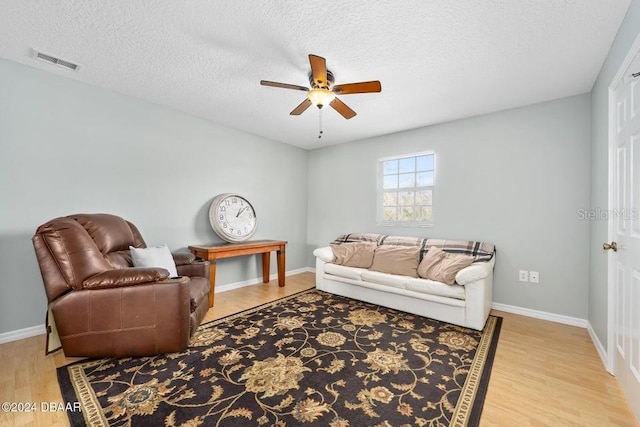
(159, 256)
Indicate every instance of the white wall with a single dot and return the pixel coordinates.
(66, 148)
(515, 178)
(629, 30)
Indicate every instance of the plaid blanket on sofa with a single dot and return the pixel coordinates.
(482, 252)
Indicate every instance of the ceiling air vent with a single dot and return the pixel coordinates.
(55, 61)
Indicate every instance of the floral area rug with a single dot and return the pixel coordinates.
(312, 358)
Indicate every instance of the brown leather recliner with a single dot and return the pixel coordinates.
(101, 305)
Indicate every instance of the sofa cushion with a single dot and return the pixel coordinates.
(431, 287)
(384, 279)
(342, 271)
(358, 254)
(402, 260)
(441, 266)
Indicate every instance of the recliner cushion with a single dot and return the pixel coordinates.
(76, 254)
(111, 233)
(120, 259)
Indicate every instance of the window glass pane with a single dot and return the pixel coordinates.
(408, 165)
(424, 213)
(424, 197)
(389, 198)
(405, 198)
(390, 214)
(389, 167)
(425, 163)
(407, 180)
(425, 179)
(406, 190)
(405, 213)
(390, 182)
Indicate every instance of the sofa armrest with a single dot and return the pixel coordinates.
(474, 272)
(325, 254)
(124, 277)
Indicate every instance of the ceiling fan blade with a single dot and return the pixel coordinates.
(283, 85)
(361, 87)
(342, 108)
(318, 70)
(300, 108)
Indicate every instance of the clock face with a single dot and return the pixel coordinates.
(232, 217)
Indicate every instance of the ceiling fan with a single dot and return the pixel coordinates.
(323, 91)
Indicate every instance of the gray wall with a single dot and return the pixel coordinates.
(67, 147)
(629, 30)
(515, 178)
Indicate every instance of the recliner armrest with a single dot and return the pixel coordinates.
(183, 258)
(195, 269)
(124, 277)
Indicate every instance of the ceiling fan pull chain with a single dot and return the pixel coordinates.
(320, 124)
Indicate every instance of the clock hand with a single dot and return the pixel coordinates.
(240, 211)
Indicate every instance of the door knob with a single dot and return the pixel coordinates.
(612, 245)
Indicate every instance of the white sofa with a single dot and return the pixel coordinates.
(466, 303)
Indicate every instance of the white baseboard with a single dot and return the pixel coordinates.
(552, 317)
(600, 349)
(22, 334)
(242, 284)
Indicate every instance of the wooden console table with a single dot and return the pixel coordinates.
(227, 250)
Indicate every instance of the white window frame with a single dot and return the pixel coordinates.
(380, 190)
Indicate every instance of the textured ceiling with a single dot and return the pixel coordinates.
(437, 60)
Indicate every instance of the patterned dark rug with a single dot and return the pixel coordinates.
(309, 359)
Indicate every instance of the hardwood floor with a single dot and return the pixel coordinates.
(544, 374)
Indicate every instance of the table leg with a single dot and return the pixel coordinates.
(266, 264)
(281, 262)
(212, 281)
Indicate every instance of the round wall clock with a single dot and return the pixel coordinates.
(232, 217)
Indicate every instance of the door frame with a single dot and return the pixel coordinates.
(611, 260)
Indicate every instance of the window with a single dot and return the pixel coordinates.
(405, 190)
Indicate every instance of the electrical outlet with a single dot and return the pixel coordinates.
(524, 276)
(534, 277)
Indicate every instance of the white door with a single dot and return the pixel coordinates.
(625, 231)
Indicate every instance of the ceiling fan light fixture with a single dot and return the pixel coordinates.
(320, 97)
